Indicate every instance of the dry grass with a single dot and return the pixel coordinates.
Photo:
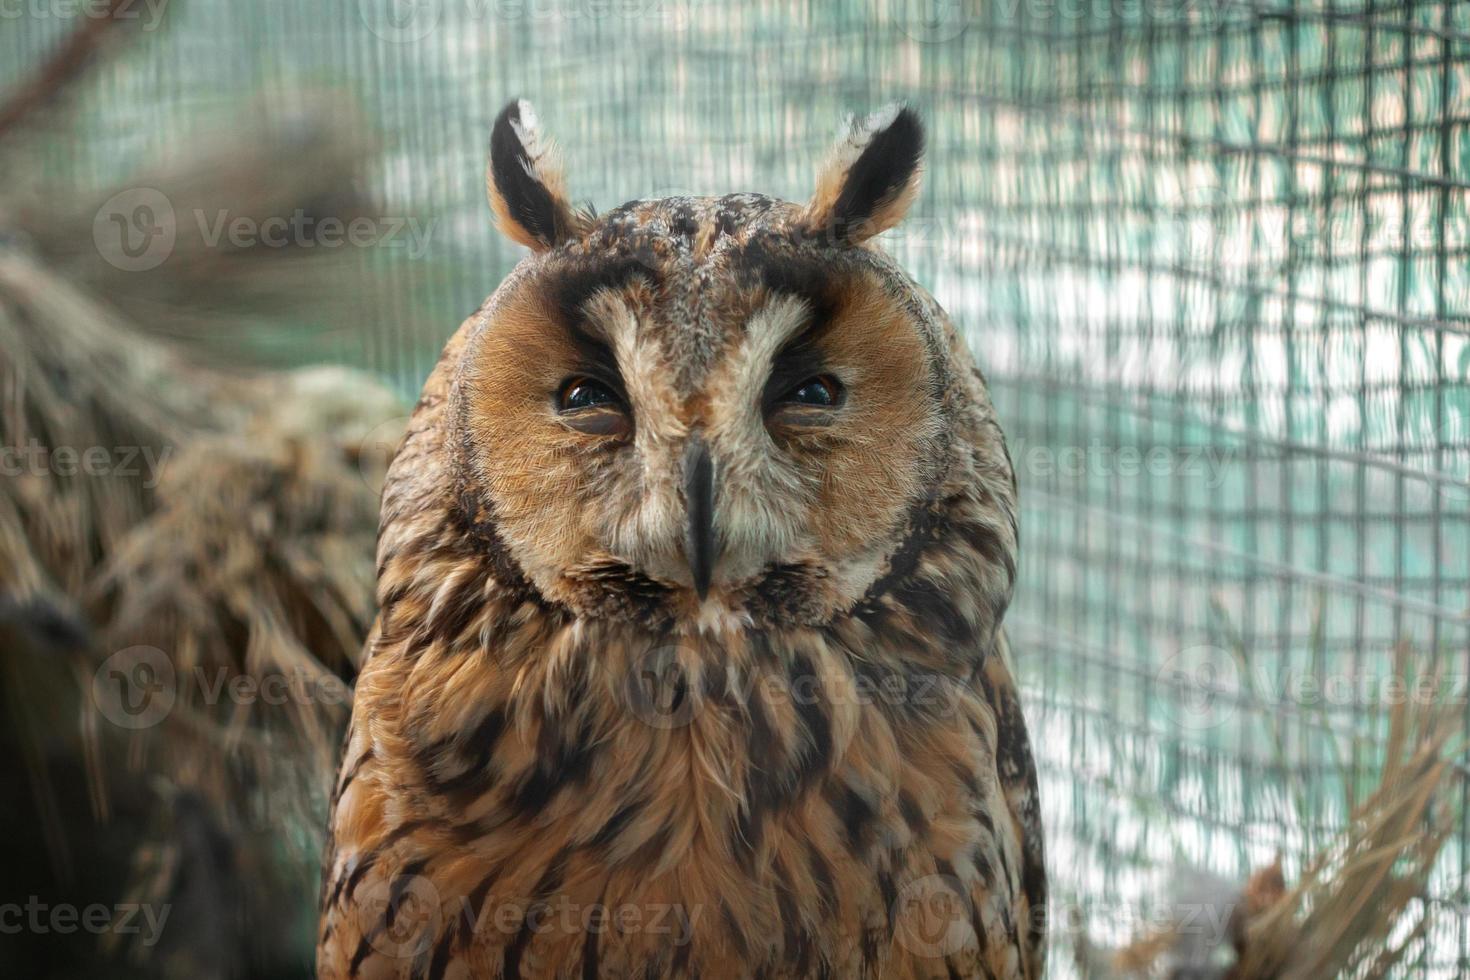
(230, 525)
(1360, 908)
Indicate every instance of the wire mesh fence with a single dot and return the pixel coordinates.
(1211, 256)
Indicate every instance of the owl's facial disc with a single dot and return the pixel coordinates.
(744, 431)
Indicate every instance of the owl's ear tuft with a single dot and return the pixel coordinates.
(870, 179)
(524, 182)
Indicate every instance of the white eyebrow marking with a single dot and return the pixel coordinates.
(770, 328)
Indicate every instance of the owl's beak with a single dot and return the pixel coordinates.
(701, 545)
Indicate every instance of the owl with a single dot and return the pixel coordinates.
(691, 573)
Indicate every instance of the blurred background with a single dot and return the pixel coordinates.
(1212, 256)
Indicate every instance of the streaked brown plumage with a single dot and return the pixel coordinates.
(691, 574)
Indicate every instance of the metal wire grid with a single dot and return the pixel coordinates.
(1171, 227)
(1242, 234)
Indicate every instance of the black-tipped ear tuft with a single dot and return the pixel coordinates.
(524, 182)
(870, 179)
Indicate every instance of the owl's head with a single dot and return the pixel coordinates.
(710, 410)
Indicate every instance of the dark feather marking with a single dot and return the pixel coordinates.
(549, 882)
(988, 545)
(467, 602)
(737, 937)
(815, 753)
(927, 604)
(791, 931)
(351, 774)
(871, 943)
(889, 890)
(966, 777)
(983, 865)
(767, 261)
(591, 945)
(401, 881)
(478, 775)
(527, 199)
(912, 814)
(442, 950)
(653, 849)
(924, 524)
(785, 593)
(880, 172)
(857, 816)
(359, 956)
(479, 538)
(616, 824)
(475, 905)
(577, 281)
(619, 590)
(372, 856)
(682, 954)
(563, 760)
(822, 874)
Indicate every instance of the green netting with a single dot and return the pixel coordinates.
(1211, 255)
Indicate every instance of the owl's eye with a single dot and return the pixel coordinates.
(579, 393)
(823, 391)
(590, 406)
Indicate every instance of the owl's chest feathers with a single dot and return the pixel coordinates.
(767, 781)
